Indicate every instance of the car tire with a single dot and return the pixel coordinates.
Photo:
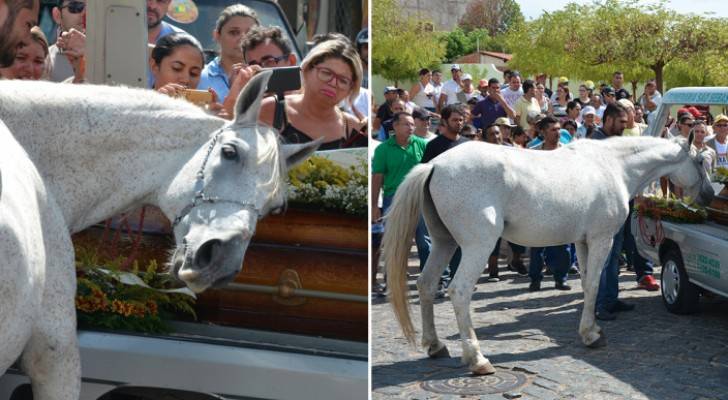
(679, 295)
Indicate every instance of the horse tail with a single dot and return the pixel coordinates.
(401, 221)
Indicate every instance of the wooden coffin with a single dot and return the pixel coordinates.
(718, 208)
(305, 272)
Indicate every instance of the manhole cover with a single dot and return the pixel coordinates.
(501, 381)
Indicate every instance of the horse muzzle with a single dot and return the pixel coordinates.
(214, 263)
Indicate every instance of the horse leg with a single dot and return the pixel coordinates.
(440, 254)
(51, 357)
(582, 255)
(598, 250)
(461, 291)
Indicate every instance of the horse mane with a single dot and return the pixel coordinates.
(626, 145)
(269, 150)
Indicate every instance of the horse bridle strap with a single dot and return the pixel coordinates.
(201, 197)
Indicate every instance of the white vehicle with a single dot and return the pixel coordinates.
(694, 257)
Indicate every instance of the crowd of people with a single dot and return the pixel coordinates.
(331, 103)
(527, 114)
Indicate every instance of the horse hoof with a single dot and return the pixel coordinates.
(440, 353)
(485, 369)
(601, 342)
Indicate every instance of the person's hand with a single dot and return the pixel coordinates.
(172, 90)
(216, 107)
(234, 71)
(376, 214)
(241, 78)
(499, 97)
(73, 44)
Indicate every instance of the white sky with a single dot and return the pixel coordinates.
(531, 9)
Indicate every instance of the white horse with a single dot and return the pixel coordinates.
(477, 192)
(104, 150)
(32, 237)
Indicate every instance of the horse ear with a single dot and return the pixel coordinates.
(296, 153)
(248, 104)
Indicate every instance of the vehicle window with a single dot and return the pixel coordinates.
(268, 14)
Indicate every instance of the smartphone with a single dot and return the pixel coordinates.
(198, 97)
(284, 79)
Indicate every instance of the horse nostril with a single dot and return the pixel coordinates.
(207, 253)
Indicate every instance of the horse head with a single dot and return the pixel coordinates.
(236, 178)
(691, 176)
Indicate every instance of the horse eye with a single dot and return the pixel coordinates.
(229, 152)
(277, 210)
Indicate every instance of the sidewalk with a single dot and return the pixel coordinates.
(532, 339)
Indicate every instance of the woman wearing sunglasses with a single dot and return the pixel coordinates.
(331, 72)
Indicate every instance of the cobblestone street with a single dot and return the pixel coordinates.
(532, 340)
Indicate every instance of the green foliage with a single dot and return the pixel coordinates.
(720, 175)
(459, 43)
(104, 302)
(402, 45)
(494, 16)
(321, 183)
(671, 209)
(592, 41)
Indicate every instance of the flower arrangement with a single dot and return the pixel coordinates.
(671, 209)
(721, 175)
(140, 301)
(322, 183)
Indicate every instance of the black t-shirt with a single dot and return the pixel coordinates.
(439, 145)
(622, 94)
(384, 113)
(548, 92)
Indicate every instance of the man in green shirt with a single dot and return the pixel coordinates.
(393, 159)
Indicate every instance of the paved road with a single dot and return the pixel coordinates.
(532, 340)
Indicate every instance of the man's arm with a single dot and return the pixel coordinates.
(443, 101)
(377, 181)
(508, 109)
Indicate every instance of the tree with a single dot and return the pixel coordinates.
(592, 41)
(458, 43)
(401, 46)
(496, 16)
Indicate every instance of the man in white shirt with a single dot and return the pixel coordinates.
(70, 17)
(650, 100)
(720, 142)
(513, 92)
(450, 89)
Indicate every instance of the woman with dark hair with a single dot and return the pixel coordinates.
(16, 19)
(233, 23)
(176, 63)
(561, 101)
(584, 96)
(421, 92)
(331, 72)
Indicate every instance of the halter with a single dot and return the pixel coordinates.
(200, 195)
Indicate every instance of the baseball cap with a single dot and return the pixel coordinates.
(695, 112)
(589, 85)
(389, 89)
(483, 83)
(563, 79)
(466, 77)
(455, 67)
(420, 113)
(608, 91)
(588, 110)
(504, 121)
(720, 118)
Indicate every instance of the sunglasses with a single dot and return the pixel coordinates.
(75, 7)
